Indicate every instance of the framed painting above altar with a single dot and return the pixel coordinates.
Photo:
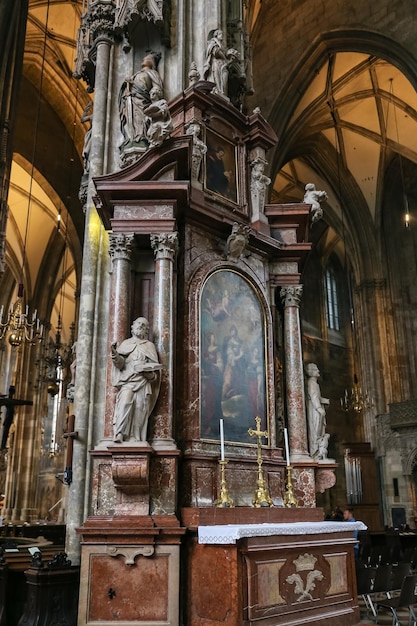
(232, 357)
(221, 166)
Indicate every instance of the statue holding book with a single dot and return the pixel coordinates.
(136, 374)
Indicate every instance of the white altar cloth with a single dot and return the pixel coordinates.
(230, 533)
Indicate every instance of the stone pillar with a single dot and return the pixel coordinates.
(165, 247)
(296, 412)
(101, 22)
(119, 321)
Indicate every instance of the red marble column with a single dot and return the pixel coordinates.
(120, 252)
(296, 412)
(165, 247)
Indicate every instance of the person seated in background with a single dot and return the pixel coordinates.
(348, 516)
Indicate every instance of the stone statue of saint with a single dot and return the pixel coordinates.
(160, 119)
(215, 66)
(73, 369)
(87, 118)
(136, 374)
(316, 415)
(134, 97)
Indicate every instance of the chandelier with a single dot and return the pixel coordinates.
(355, 399)
(19, 325)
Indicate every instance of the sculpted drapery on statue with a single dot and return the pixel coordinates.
(218, 62)
(316, 414)
(134, 98)
(135, 373)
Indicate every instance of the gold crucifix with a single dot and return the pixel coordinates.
(262, 497)
(258, 432)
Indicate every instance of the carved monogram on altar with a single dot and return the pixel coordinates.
(305, 578)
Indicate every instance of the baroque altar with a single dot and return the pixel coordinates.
(215, 272)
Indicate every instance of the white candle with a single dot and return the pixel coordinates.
(287, 447)
(221, 441)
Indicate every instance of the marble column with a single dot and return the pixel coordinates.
(165, 247)
(120, 251)
(101, 23)
(296, 412)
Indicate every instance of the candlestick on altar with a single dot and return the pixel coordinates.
(221, 440)
(289, 499)
(224, 499)
(287, 447)
(262, 497)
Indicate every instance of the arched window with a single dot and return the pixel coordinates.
(332, 301)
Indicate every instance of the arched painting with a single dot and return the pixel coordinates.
(232, 355)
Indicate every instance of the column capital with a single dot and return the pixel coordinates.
(291, 295)
(121, 245)
(101, 18)
(165, 245)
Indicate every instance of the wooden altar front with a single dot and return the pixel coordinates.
(296, 571)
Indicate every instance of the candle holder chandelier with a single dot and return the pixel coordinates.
(355, 399)
(20, 326)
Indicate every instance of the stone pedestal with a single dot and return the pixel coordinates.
(130, 571)
(130, 473)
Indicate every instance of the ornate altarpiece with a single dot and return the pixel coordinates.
(208, 266)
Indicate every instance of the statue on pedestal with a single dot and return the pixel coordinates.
(316, 415)
(160, 125)
(135, 373)
(314, 197)
(223, 68)
(134, 98)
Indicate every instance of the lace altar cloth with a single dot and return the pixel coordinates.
(230, 533)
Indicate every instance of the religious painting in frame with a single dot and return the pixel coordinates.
(221, 166)
(232, 358)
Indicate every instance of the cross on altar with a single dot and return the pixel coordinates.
(10, 402)
(258, 432)
(262, 497)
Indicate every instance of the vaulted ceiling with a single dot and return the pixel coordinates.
(356, 113)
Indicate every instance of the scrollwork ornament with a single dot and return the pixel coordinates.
(291, 295)
(130, 552)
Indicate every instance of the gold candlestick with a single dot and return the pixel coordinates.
(224, 500)
(262, 497)
(289, 499)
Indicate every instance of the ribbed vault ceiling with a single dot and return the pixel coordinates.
(366, 110)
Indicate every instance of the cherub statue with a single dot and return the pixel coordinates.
(237, 241)
(161, 123)
(314, 197)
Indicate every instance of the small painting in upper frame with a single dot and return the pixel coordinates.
(221, 174)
